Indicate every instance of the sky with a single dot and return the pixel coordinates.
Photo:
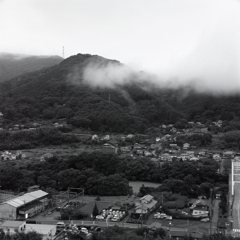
(178, 40)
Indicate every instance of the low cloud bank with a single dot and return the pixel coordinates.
(222, 81)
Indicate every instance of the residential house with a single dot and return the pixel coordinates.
(200, 211)
(236, 159)
(223, 224)
(184, 156)
(105, 138)
(173, 146)
(152, 146)
(138, 146)
(145, 204)
(95, 137)
(216, 156)
(181, 235)
(191, 124)
(203, 152)
(156, 161)
(173, 130)
(1, 118)
(130, 136)
(109, 148)
(218, 123)
(166, 138)
(126, 149)
(47, 231)
(164, 127)
(166, 157)
(199, 124)
(186, 146)
(16, 127)
(158, 146)
(190, 154)
(148, 154)
(11, 227)
(229, 154)
(194, 159)
(140, 152)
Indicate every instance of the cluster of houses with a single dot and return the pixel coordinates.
(153, 148)
(147, 204)
(8, 156)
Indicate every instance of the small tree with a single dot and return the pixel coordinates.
(95, 211)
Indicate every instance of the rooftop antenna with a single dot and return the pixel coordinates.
(63, 52)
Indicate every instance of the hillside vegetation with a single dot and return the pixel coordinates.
(12, 65)
(59, 92)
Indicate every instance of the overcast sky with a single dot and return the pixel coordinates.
(182, 39)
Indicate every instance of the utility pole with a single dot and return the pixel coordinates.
(210, 211)
(170, 223)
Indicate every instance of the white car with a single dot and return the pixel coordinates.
(205, 220)
(100, 217)
(115, 219)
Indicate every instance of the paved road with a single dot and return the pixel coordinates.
(236, 207)
(110, 224)
(214, 220)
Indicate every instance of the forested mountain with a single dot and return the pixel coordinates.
(61, 91)
(12, 65)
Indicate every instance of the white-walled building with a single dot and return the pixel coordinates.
(47, 231)
(11, 227)
(25, 206)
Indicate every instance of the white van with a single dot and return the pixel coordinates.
(60, 225)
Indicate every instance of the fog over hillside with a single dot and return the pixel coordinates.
(166, 42)
(13, 65)
(222, 80)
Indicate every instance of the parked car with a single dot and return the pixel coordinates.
(205, 220)
(99, 217)
(160, 215)
(115, 219)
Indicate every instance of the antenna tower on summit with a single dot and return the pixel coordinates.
(63, 52)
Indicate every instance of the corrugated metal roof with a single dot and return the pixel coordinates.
(38, 194)
(26, 198)
(12, 223)
(15, 202)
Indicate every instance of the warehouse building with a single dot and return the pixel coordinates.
(25, 206)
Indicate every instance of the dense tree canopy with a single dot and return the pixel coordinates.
(108, 174)
(58, 92)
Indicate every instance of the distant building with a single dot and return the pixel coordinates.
(11, 227)
(1, 118)
(229, 154)
(146, 204)
(166, 157)
(109, 148)
(25, 206)
(186, 146)
(200, 211)
(47, 231)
